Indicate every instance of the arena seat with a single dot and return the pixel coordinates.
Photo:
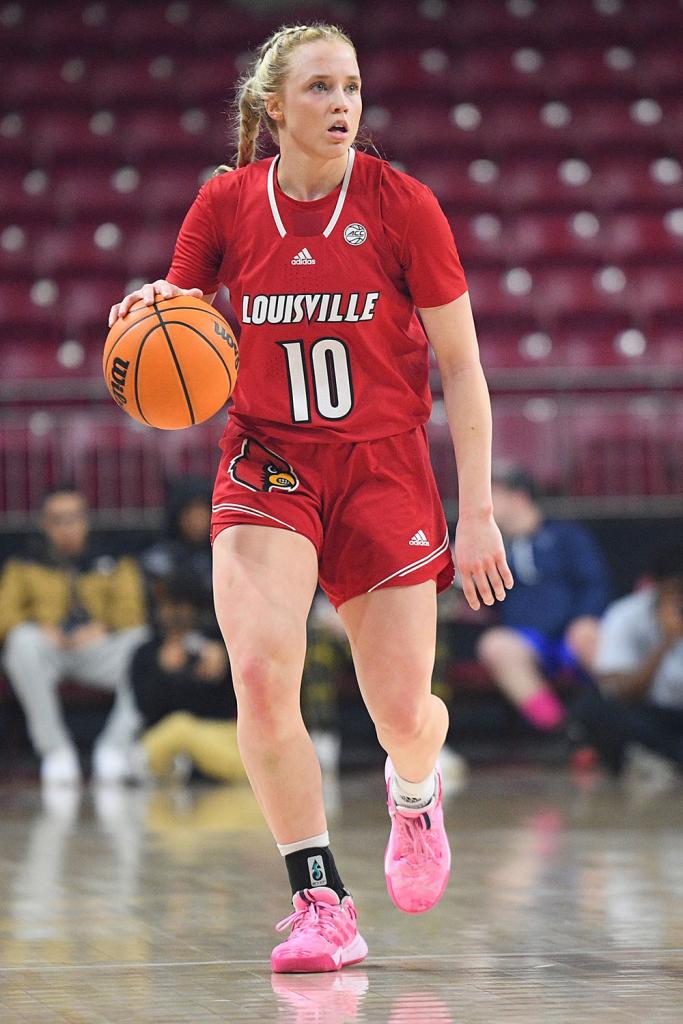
(56, 82)
(84, 303)
(170, 135)
(583, 71)
(148, 250)
(26, 194)
(86, 248)
(660, 66)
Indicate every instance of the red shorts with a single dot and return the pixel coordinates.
(371, 509)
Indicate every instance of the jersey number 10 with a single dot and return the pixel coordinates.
(330, 372)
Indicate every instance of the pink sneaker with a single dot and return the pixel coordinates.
(417, 861)
(324, 934)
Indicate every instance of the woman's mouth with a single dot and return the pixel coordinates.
(338, 128)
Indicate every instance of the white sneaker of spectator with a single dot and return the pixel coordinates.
(454, 770)
(110, 765)
(328, 748)
(60, 768)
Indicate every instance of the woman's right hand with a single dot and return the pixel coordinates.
(147, 293)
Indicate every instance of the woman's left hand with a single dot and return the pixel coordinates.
(480, 560)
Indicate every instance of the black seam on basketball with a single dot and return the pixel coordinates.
(208, 341)
(135, 375)
(177, 364)
(209, 309)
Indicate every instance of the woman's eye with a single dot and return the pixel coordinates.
(352, 87)
(319, 85)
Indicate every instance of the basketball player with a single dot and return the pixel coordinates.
(325, 473)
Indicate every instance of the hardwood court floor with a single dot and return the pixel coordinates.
(565, 905)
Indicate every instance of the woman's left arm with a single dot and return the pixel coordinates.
(479, 551)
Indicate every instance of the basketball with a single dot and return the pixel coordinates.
(172, 364)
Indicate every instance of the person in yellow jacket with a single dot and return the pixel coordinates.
(67, 613)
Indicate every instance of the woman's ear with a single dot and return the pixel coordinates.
(274, 108)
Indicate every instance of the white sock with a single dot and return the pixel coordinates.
(413, 795)
(303, 844)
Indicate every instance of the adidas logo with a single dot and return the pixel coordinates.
(303, 257)
(419, 539)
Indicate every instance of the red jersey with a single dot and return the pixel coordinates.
(326, 292)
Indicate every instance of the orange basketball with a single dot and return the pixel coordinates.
(171, 364)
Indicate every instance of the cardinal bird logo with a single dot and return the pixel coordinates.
(259, 469)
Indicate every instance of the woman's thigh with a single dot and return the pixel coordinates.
(264, 580)
(392, 633)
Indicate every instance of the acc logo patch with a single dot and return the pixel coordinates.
(355, 234)
(259, 469)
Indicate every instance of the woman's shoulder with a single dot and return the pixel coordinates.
(388, 177)
(227, 182)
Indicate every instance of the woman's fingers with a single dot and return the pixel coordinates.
(148, 293)
(486, 583)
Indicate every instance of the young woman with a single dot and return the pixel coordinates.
(325, 474)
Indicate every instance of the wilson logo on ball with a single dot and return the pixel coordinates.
(221, 332)
(117, 382)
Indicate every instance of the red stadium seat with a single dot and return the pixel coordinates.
(26, 194)
(580, 70)
(34, 82)
(661, 70)
(148, 250)
(536, 238)
(151, 80)
(640, 236)
(85, 303)
(72, 136)
(67, 250)
(169, 135)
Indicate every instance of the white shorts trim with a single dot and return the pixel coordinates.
(407, 569)
(252, 512)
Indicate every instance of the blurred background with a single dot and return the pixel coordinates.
(552, 134)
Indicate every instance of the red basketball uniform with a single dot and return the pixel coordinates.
(331, 353)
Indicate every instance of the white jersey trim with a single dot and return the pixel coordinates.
(412, 566)
(253, 512)
(340, 201)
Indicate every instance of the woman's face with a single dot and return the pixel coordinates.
(320, 106)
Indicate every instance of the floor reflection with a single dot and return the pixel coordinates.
(120, 905)
(332, 998)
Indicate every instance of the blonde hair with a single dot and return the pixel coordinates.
(266, 77)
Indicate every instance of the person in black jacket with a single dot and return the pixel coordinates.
(183, 689)
(549, 621)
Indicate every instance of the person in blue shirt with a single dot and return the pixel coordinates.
(549, 621)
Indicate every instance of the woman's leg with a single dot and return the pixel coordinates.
(393, 637)
(264, 582)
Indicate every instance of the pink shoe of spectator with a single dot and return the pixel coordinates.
(324, 935)
(417, 861)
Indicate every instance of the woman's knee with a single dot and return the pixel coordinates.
(266, 685)
(404, 721)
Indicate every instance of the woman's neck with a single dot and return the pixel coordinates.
(305, 179)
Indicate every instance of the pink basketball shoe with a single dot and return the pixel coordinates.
(417, 861)
(324, 935)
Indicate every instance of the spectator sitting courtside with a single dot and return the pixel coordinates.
(66, 612)
(639, 671)
(185, 548)
(183, 690)
(549, 620)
